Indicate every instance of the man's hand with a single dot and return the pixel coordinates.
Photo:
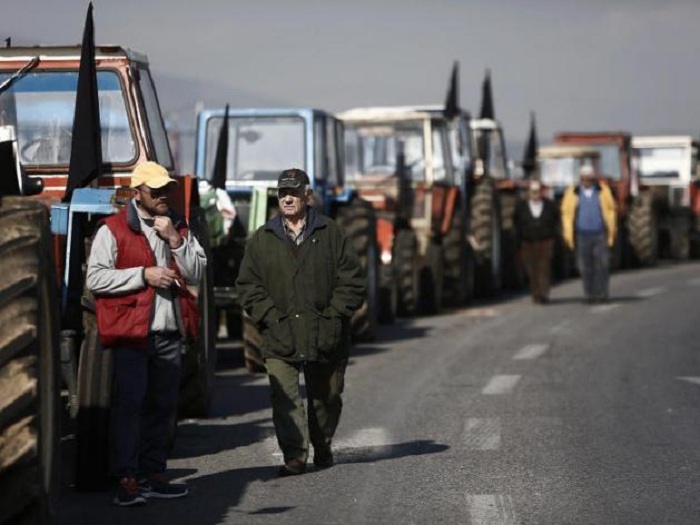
(166, 231)
(159, 277)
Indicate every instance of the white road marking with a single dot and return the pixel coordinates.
(491, 509)
(482, 433)
(365, 437)
(604, 308)
(481, 312)
(693, 380)
(531, 351)
(503, 384)
(562, 328)
(650, 292)
(694, 282)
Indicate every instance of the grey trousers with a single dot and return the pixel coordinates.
(145, 395)
(594, 264)
(324, 386)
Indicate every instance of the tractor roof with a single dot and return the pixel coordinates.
(383, 114)
(661, 141)
(64, 53)
(560, 152)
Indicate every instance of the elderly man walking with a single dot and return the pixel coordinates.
(301, 281)
(536, 223)
(589, 225)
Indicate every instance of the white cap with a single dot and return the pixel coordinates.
(586, 171)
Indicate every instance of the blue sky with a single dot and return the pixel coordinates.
(628, 65)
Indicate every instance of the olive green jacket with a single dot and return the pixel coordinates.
(302, 303)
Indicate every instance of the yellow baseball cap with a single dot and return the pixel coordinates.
(151, 174)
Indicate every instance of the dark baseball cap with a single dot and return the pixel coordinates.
(292, 178)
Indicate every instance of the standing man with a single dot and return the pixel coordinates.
(141, 260)
(301, 281)
(536, 224)
(588, 213)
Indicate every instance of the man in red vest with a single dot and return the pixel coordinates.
(141, 260)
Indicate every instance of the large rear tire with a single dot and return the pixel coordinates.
(359, 224)
(406, 271)
(642, 230)
(458, 279)
(485, 238)
(199, 360)
(29, 365)
(513, 274)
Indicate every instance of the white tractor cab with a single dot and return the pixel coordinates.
(668, 165)
(399, 159)
(261, 144)
(558, 166)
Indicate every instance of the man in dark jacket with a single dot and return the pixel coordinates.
(536, 221)
(301, 281)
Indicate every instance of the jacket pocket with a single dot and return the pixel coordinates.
(279, 339)
(330, 333)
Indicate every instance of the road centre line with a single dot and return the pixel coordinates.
(562, 328)
(650, 292)
(695, 281)
(604, 308)
(482, 433)
(690, 379)
(531, 351)
(491, 509)
(501, 384)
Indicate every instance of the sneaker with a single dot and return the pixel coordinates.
(158, 486)
(129, 493)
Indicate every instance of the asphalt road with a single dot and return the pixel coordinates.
(502, 414)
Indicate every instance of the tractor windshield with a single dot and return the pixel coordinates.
(371, 150)
(560, 172)
(259, 148)
(41, 106)
(609, 160)
(662, 163)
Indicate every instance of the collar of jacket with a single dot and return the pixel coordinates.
(314, 221)
(132, 218)
(596, 186)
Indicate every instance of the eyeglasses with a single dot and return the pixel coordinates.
(156, 193)
(294, 192)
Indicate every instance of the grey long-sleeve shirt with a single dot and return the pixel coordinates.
(103, 278)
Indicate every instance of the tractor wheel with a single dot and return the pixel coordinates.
(252, 346)
(485, 238)
(359, 224)
(388, 295)
(513, 274)
(432, 281)
(199, 360)
(680, 222)
(29, 365)
(458, 260)
(406, 271)
(642, 230)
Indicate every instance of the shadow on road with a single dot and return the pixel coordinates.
(384, 452)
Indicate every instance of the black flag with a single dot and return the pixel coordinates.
(452, 101)
(86, 144)
(218, 178)
(530, 154)
(487, 98)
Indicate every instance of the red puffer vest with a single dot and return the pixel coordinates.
(124, 320)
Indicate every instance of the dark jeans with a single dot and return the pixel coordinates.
(146, 385)
(537, 259)
(594, 264)
(324, 386)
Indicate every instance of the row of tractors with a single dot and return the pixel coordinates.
(424, 192)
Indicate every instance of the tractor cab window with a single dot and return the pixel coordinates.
(41, 106)
(490, 148)
(326, 154)
(609, 160)
(559, 172)
(442, 161)
(156, 128)
(372, 150)
(259, 148)
(662, 163)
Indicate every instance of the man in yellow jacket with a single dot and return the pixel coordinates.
(589, 224)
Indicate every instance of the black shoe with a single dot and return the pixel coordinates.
(293, 467)
(323, 459)
(129, 493)
(158, 486)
